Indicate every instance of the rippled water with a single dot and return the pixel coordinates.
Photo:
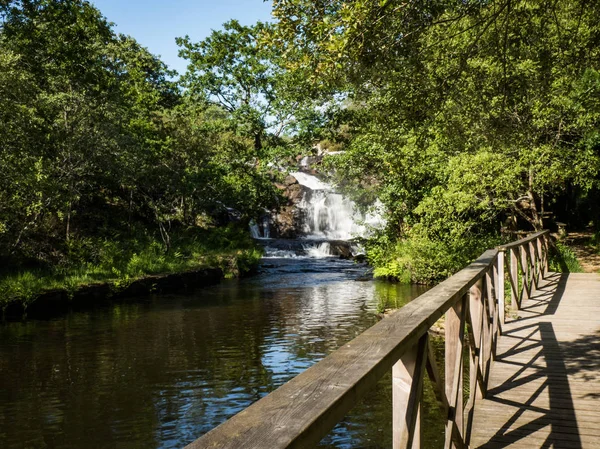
(160, 372)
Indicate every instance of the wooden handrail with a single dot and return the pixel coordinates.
(524, 240)
(301, 412)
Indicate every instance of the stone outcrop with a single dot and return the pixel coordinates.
(286, 222)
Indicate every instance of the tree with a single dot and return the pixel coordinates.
(241, 69)
(86, 103)
(98, 142)
(233, 70)
(474, 114)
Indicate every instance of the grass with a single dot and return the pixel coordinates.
(563, 260)
(121, 261)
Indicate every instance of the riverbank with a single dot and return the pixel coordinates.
(131, 267)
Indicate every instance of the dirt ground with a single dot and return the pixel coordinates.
(587, 255)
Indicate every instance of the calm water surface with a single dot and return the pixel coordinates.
(160, 372)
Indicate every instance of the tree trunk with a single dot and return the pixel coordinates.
(536, 218)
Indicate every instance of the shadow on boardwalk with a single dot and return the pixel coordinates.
(545, 381)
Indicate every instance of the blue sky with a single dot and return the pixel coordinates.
(155, 24)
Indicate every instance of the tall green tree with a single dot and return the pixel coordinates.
(474, 115)
(232, 69)
(98, 142)
(243, 70)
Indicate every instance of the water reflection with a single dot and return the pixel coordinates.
(161, 372)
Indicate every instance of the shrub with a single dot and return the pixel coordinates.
(421, 259)
(563, 260)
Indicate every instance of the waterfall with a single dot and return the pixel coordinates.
(326, 219)
(266, 227)
(318, 251)
(255, 229)
(329, 215)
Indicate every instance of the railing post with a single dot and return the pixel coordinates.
(535, 265)
(476, 308)
(500, 288)
(514, 279)
(525, 269)
(540, 251)
(455, 325)
(544, 245)
(476, 383)
(407, 388)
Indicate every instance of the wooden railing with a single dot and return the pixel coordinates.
(302, 411)
(527, 263)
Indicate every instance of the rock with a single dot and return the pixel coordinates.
(285, 223)
(294, 193)
(341, 248)
(289, 180)
(360, 257)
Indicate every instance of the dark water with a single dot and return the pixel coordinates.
(161, 372)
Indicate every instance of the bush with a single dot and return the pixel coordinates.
(120, 261)
(563, 260)
(421, 259)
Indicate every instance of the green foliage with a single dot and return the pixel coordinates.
(563, 260)
(423, 259)
(231, 69)
(97, 141)
(469, 116)
(243, 71)
(120, 262)
(461, 117)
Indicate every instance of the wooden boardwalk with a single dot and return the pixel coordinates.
(544, 389)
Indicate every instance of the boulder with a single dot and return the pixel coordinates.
(284, 223)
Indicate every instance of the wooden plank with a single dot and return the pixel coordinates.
(477, 318)
(487, 339)
(500, 288)
(544, 242)
(437, 381)
(515, 297)
(454, 344)
(524, 260)
(534, 264)
(476, 378)
(545, 383)
(407, 388)
(540, 259)
(524, 240)
(534, 421)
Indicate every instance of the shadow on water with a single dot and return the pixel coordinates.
(161, 372)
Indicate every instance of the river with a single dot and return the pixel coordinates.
(160, 372)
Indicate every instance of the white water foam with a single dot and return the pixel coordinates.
(274, 253)
(308, 251)
(310, 181)
(330, 215)
(325, 215)
(255, 229)
(319, 251)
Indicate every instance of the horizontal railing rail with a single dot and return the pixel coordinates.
(301, 412)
